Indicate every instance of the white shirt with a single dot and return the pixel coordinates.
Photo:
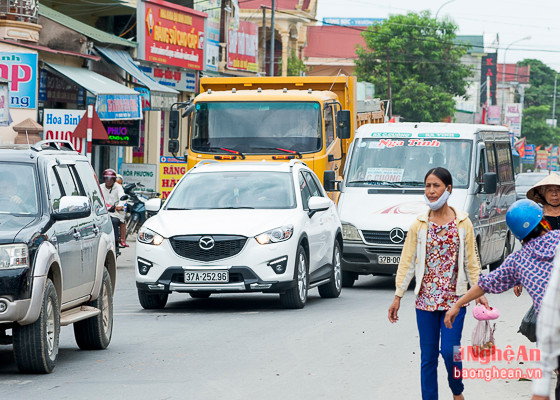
(548, 331)
(113, 197)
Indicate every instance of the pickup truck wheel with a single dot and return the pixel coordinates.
(95, 333)
(297, 296)
(36, 344)
(152, 301)
(200, 295)
(333, 288)
(348, 278)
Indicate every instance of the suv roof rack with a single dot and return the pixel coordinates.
(203, 162)
(293, 162)
(52, 144)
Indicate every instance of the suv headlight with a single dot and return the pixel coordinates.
(350, 232)
(275, 235)
(14, 256)
(147, 236)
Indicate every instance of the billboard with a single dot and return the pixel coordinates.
(21, 70)
(172, 34)
(242, 46)
(60, 124)
(488, 70)
(512, 118)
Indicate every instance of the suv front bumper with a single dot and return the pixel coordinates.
(242, 279)
(363, 259)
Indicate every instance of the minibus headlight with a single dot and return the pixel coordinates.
(349, 232)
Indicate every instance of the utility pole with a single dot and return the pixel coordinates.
(263, 58)
(389, 87)
(554, 101)
(272, 28)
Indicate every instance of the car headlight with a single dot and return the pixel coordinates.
(14, 256)
(148, 236)
(275, 235)
(349, 232)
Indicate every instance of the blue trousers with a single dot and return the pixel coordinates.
(430, 328)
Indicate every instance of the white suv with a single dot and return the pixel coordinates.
(241, 227)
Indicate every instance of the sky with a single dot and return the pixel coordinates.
(511, 20)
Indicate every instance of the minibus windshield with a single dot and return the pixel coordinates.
(404, 162)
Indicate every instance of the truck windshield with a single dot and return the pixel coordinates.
(404, 162)
(18, 193)
(257, 127)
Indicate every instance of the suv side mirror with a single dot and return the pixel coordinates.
(173, 146)
(490, 182)
(329, 181)
(72, 207)
(173, 124)
(343, 118)
(153, 205)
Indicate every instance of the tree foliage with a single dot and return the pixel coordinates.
(542, 84)
(535, 128)
(424, 64)
(296, 67)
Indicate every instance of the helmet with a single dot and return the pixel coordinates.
(523, 216)
(119, 176)
(109, 173)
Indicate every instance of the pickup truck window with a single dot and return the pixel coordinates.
(257, 127)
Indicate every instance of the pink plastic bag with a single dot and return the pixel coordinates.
(483, 339)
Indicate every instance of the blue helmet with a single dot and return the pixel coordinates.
(523, 216)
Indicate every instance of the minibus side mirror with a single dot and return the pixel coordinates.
(343, 119)
(490, 182)
(329, 181)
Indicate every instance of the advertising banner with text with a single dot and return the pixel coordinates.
(21, 70)
(60, 124)
(242, 46)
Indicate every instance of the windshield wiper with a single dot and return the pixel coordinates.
(214, 149)
(178, 208)
(412, 183)
(294, 152)
(231, 208)
(383, 183)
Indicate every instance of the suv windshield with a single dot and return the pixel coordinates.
(239, 189)
(403, 162)
(18, 193)
(257, 127)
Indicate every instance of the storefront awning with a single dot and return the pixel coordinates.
(123, 59)
(91, 81)
(113, 100)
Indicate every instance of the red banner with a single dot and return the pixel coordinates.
(243, 45)
(174, 35)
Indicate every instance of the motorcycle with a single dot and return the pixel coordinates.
(136, 208)
(111, 208)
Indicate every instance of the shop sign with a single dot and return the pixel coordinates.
(494, 113)
(55, 89)
(111, 107)
(171, 171)
(182, 81)
(212, 51)
(529, 154)
(60, 125)
(242, 46)
(121, 133)
(143, 174)
(144, 97)
(4, 104)
(173, 35)
(512, 118)
(21, 70)
(488, 76)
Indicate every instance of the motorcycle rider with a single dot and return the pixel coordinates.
(122, 224)
(112, 192)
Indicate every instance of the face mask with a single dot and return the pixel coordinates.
(436, 205)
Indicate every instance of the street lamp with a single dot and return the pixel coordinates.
(554, 100)
(440, 7)
(504, 73)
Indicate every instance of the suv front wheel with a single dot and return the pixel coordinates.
(36, 344)
(95, 333)
(297, 296)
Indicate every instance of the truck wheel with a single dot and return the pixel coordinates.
(200, 295)
(297, 296)
(348, 279)
(36, 344)
(95, 333)
(152, 301)
(333, 288)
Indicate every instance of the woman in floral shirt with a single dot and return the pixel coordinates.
(440, 251)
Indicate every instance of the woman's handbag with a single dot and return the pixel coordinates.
(528, 325)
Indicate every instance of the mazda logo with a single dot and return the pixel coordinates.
(397, 235)
(206, 243)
